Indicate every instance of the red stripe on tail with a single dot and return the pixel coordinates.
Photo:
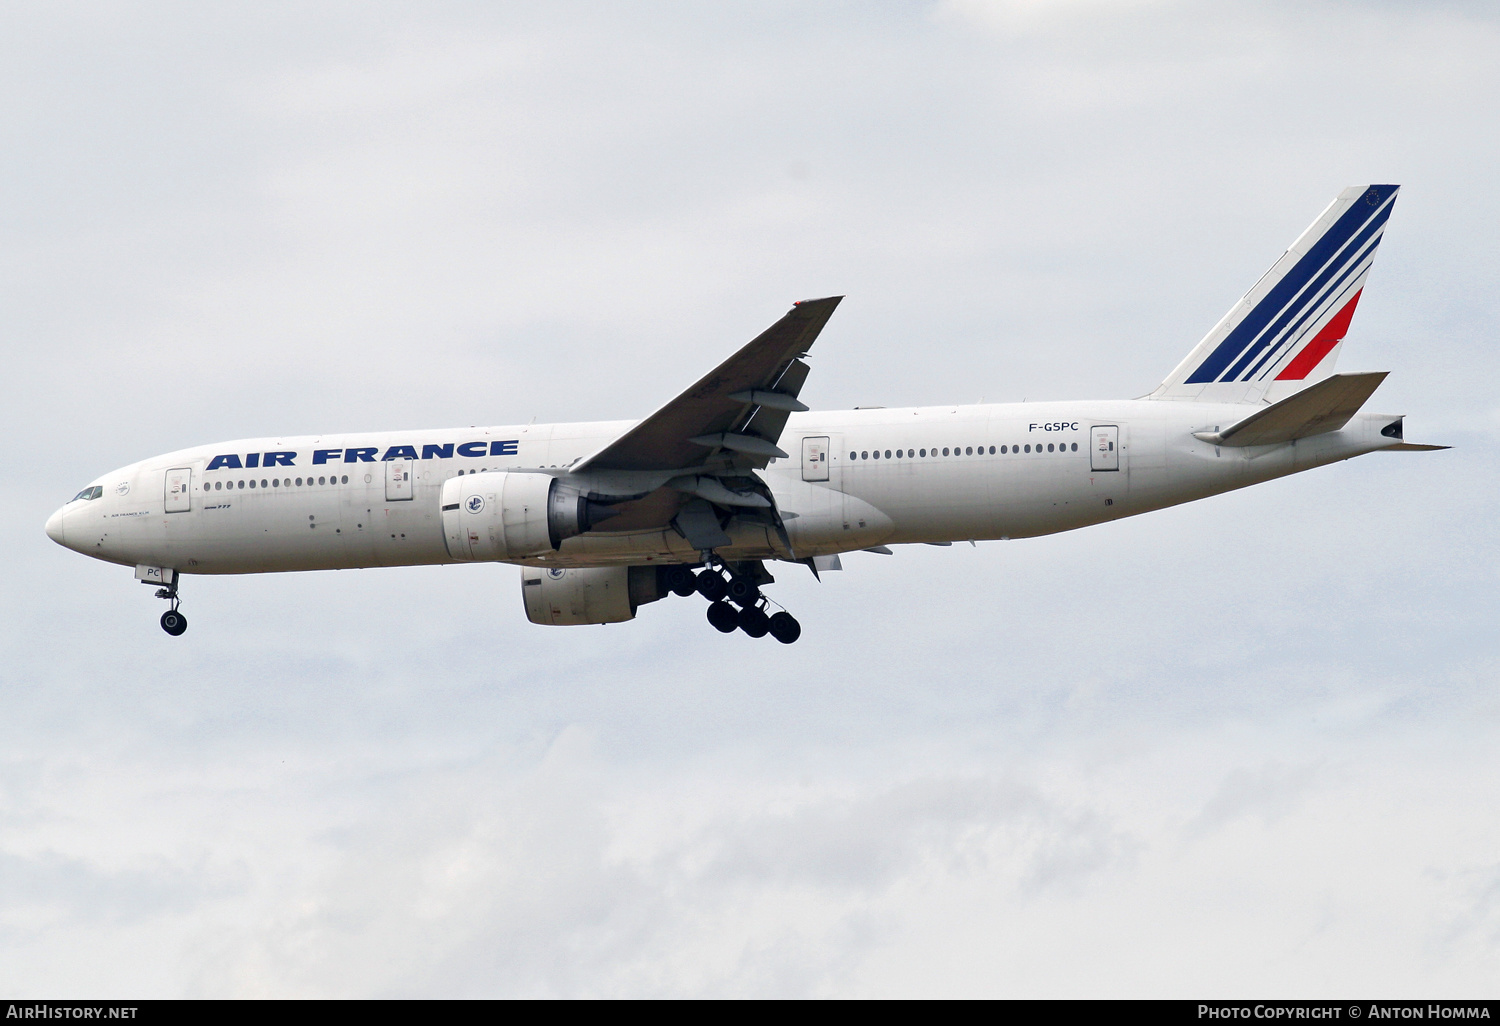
(1322, 344)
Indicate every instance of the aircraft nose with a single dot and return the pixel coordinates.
(55, 527)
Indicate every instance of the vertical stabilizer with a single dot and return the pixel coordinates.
(1286, 332)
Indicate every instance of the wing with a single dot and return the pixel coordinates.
(732, 417)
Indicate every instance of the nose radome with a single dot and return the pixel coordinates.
(55, 527)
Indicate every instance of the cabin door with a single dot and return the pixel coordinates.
(1104, 447)
(398, 480)
(815, 456)
(179, 490)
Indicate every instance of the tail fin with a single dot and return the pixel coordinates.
(1287, 330)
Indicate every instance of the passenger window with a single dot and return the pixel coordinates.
(945, 451)
(242, 484)
(1075, 446)
(864, 454)
(923, 453)
(252, 482)
(1049, 446)
(992, 450)
(1028, 448)
(853, 455)
(1003, 450)
(888, 454)
(344, 479)
(969, 451)
(322, 481)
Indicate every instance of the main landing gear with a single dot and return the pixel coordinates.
(734, 602)
(172, 621)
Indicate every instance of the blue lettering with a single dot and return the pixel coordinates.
(280, 459)
(399, 452)
(442, 452)
(231, 462)
(324, 455)
(505, 448)
(252, 460)
(473, 449)
(356, 455)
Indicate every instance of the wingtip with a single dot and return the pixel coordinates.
(825, 299)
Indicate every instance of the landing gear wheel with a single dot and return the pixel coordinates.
(784, 627)
(743, 592)
(723, 616)
(754, 622)
(173, 622)
(680, 581)
(710, 585)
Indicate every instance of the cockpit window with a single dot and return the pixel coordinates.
(90, 493)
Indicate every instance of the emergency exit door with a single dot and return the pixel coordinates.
(815, 458)
(179, 490)
(1105, 447)
(398, 479)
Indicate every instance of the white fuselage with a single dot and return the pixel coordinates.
(953, 473)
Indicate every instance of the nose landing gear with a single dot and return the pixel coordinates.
(172, 621)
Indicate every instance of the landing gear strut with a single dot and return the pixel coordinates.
(172, 621)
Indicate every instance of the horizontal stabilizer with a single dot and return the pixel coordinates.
(1316, 410)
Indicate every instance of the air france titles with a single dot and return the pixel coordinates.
(367, 454)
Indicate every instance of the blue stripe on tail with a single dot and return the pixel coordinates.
(1344, 266)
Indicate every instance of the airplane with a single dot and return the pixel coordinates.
(736, 471)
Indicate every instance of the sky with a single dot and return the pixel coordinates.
(1244, 747)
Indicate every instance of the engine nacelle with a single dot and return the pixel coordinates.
(510, 515)
(559, 597)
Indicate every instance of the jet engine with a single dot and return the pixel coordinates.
(561, 597)
(512, 515)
